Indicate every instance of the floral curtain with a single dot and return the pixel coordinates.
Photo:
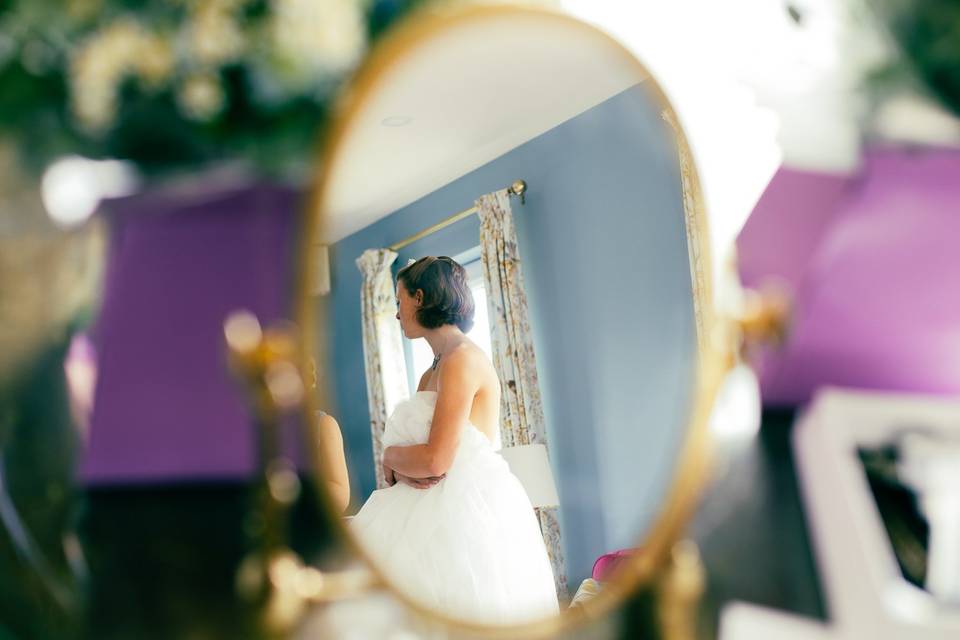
(382, 346)
(522, 420)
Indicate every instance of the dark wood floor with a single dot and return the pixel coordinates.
(751, 528)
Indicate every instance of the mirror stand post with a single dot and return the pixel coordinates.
(274, 576)
(263, 366)
(679, 589)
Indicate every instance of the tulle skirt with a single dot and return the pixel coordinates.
(469, 547)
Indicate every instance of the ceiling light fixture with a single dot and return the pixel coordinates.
(396, 121)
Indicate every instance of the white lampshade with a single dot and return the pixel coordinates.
(530, 464)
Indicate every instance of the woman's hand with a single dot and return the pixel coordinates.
(418, 483)
(388, 476)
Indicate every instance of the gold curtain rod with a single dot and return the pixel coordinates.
(518, 188)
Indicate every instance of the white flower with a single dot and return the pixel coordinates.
(213, 35)
(98, 67)
(155, 61)
(312, 36)
(201, 96)
(96, 70)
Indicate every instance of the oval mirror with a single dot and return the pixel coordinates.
(532, 412)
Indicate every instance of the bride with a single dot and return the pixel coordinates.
(454, 528)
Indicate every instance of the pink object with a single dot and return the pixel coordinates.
(80, 368)
(608, 563)
(874, 259)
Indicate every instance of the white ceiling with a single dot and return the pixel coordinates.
(753, 88)
(471, 93)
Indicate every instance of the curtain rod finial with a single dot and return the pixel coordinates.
(518, 188)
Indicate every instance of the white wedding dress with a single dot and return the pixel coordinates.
(469, 546)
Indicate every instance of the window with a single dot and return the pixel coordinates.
(419, 354)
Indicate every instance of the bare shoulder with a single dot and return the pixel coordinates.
(329, 426)
(466, 354)
(469, 360)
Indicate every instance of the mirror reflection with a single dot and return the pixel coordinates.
(513, 312)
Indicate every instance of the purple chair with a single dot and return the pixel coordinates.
(165, 408)
(873, 262)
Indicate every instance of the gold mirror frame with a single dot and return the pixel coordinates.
(690, 470)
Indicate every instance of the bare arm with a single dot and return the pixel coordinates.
(390, 476)
(330, 441)
(458, 385)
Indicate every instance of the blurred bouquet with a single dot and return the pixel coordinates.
(176, 84)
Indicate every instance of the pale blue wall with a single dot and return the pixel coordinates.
(604, 255)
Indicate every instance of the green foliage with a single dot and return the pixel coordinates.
(173, 85)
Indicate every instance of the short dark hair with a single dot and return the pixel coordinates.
(446, 297)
